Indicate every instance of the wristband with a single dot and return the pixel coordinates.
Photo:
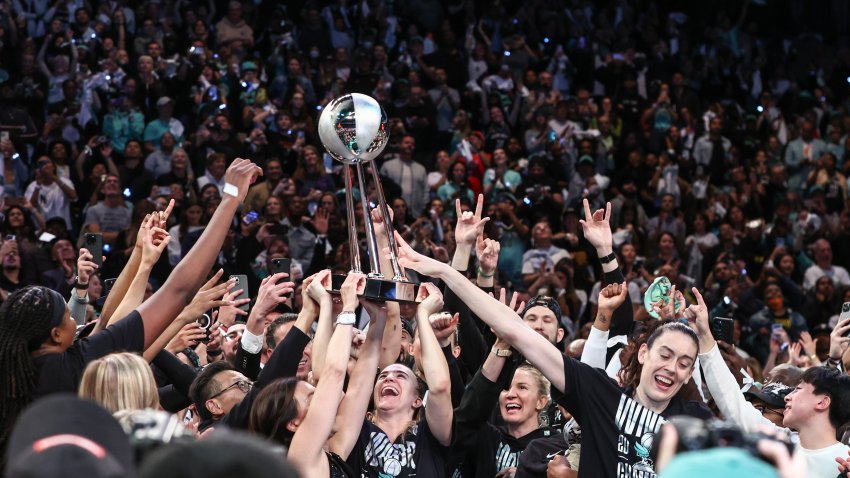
(610, 257)
(501, 352)
(482, 274)
(79, 286)
(231, 190)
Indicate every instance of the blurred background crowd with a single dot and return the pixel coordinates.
(717, 131)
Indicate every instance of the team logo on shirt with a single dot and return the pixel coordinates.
(638, 426)
(390, 458)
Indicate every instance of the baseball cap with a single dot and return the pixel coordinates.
(544, 301)
(64, 435)
(772, 394)
(249, 65)
(163, 101)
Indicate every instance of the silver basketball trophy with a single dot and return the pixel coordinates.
(353, 130)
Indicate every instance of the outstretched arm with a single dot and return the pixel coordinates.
(306, 453)
(185, 280)
(536, 349)
(349, 417)
(597, 230)
(439, 412)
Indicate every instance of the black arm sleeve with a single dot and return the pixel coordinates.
(174, 396)
(247, 363)
(473, 348)
(477, 404)
(623, 318)
(283, 363)
(455, 375)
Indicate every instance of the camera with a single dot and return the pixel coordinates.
(149, 430)
(695, 435)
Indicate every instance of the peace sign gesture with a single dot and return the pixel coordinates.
(697, 315)
(597, 229)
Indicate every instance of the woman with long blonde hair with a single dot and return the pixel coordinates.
(120, 381)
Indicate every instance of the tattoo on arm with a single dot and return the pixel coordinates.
(602, 319)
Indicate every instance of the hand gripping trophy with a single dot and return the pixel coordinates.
(353, 130)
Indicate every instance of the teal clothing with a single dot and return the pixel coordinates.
(512, 247)
(449, 191)
(123, 127)
(156, 128)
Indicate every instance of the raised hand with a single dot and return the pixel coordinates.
(503, 298)
(316, 288)
(410, 259)
(469, 225)
(320, 221)
(272, 293)
(154, 242)
(85, 266)
(242, 173)
(352, 286)
(487, 251)
(612, 296)
(444, 325)
(209, 296)
(189, 336)
(597, 228)
(430, 299)
(838, 340)
(697, 315)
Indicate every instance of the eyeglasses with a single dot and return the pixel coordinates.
(243, 385)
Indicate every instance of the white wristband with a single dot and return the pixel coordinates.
(231, 190)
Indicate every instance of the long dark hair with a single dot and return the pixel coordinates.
(273, 409)
(629, 375)
(25, 322)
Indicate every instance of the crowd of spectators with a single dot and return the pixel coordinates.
(719, 134)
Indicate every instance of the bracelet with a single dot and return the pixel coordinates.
(610, 257)
(501, 352)
(482, 274)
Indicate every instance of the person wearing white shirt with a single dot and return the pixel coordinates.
(815, 410)
(52, 195)
(823, 267)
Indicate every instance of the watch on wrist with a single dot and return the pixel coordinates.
(77, 284)
(501, 352)
(346, 318)
(610, 257)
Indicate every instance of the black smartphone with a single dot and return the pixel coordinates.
(282, 264)
(723, 328)
(242, 284)
(93, 241)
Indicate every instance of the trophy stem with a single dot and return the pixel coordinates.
(372, 243)
(398, 275)
(354, 250)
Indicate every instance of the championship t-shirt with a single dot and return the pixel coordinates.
(413, 454)
(617, 431)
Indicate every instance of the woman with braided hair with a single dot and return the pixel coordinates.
(38, 354)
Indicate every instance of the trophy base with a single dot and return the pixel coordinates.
(390, 291)
(379, 289)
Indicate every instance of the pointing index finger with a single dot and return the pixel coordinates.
(700, 300)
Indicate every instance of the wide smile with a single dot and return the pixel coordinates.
(390, 391)
(665, 384)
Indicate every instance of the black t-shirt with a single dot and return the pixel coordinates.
(413, 454)
(617, 431)
(62, 372)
